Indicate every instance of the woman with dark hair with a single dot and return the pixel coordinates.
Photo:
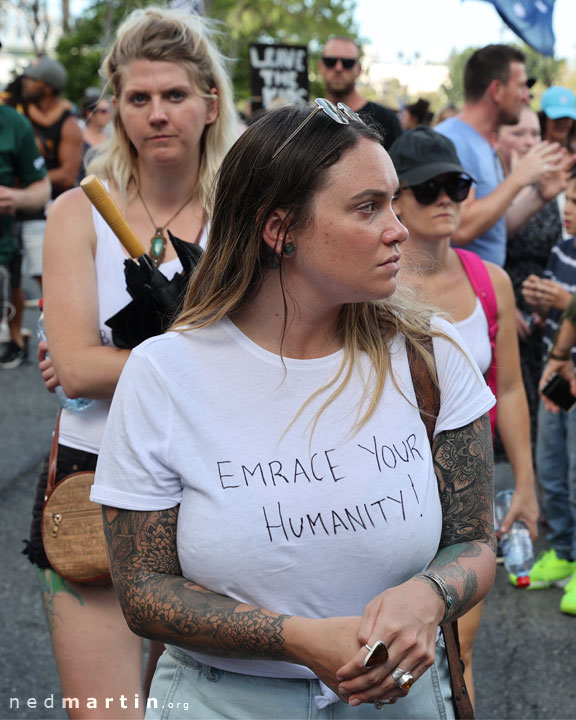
(273, 508)
(97, 114)
(417, 113)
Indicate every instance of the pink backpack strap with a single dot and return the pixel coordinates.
(481, 282)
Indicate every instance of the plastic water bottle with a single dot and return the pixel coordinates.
(72, 404)
(517, 547)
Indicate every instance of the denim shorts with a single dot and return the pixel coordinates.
(184, 689)
(33, 244)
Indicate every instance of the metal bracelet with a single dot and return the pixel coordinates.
(563, 357)
(440, 582)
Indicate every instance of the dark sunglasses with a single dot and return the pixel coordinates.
(457, 189)
(347, 63)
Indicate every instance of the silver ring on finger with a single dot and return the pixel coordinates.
(379, 704)
(402, 678)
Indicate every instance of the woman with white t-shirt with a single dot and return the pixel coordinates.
(433, 184)
(174, 119)
(273, 507)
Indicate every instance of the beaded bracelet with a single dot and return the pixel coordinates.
(558, 356)
(448, 599)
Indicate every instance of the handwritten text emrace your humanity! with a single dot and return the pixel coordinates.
(324, 467)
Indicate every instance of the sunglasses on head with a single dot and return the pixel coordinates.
(340, 113)
(456, 187)
(347, 63)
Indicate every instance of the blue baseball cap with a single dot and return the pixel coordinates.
(558, 102)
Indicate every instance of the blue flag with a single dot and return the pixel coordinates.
(531, 20)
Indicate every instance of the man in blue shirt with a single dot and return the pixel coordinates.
(496, 88)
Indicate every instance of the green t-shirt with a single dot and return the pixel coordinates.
(20, 164)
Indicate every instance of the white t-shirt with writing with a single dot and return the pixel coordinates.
(306, 524)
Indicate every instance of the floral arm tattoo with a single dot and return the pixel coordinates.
(160, 604)
(464, 466)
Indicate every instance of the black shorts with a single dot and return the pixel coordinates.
(70, 461)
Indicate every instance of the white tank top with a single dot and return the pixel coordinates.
(83, 430)
(474, 330)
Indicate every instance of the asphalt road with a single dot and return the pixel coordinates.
(525, 651)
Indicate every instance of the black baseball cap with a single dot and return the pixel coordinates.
(421, 154)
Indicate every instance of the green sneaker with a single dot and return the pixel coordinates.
(568, 601)
(549, 571)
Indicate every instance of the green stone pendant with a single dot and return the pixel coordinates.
(157, 247)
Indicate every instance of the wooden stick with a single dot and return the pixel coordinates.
(103, 202)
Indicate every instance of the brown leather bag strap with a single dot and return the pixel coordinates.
(463, 708)
(428, 400)
(53, 460)
(427, 393)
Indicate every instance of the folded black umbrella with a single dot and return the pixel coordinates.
(156, 301)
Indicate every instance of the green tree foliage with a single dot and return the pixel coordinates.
(81, 50)
(546, 70)
(298, 22)
(454, 88)
(295, 22)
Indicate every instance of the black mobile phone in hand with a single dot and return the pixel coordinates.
(558, 390)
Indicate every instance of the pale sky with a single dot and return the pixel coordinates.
(434, 27)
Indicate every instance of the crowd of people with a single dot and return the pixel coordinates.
(299, 472)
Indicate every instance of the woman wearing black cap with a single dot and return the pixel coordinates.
(478, 296)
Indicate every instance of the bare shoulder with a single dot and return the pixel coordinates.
(71, 203)
(500, 278)
(503, 290)
(70, 215)
(70, 128)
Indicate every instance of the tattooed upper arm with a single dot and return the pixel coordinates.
(142, 540)
(141, 545)
(464, 466)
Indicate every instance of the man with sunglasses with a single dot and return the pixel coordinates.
(496, 89)
(340, 67)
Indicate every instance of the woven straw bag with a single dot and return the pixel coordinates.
(72, 529)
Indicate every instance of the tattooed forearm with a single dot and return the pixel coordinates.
(161, 604)
(461, 582)
(464, 466)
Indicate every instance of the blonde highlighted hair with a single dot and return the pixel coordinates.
(160, 34)
(252, 184)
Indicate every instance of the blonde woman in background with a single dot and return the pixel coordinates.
(174, 120)
(527, 253)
